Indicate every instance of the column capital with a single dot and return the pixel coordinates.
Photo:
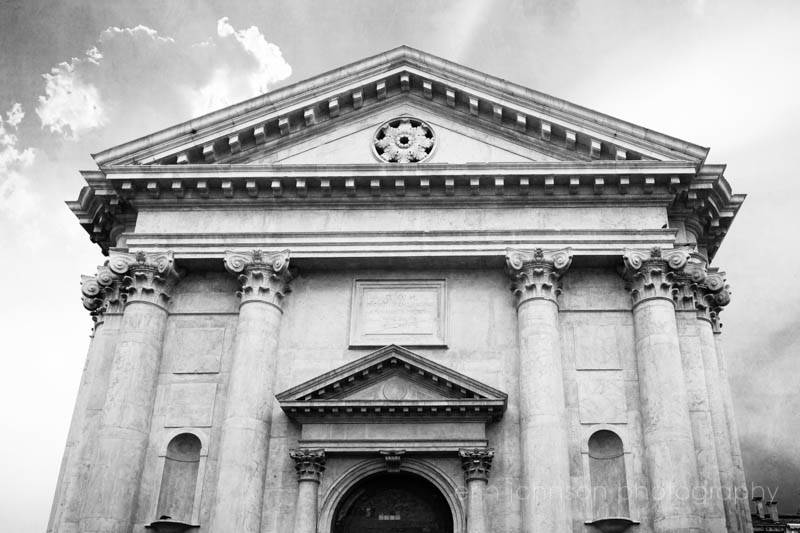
(654, 274)
(101, 293)
(263, 276)
(309, 464)
(535, 274)
(476, 462)
(146, 277)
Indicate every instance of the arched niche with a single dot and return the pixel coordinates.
(179, 480)
(342, 487)
(607, 475)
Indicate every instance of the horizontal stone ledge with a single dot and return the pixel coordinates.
(376, 446)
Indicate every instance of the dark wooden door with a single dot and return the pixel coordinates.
(394, 503)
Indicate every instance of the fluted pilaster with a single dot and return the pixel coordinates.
(264, 280)
(667, 429)
(309, 465)
(543, 428)
(147, 281)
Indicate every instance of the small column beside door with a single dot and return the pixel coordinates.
(477, 463)
(309, 465)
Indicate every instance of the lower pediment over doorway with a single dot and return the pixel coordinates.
(393, 399)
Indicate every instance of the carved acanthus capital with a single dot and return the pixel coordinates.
(536, 274)
(654, 274)
(263, 276)
(309, 464)
(146, 277)
(476, 462)
(687, 281)
(101, 293)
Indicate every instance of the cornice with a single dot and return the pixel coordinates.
(402, 70)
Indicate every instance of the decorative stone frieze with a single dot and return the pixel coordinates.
(653, 274)
(101, 293)
(263, 276)
(476, 462)
(145, 277)
(535, 274)
(309, 464)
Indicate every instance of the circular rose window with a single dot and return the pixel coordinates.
(404, 140)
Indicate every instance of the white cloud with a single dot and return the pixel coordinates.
(135, 78)
(272, 66)
(16, 198)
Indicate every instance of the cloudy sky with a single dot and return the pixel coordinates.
(78, 76)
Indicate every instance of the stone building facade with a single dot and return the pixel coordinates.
(304, 323)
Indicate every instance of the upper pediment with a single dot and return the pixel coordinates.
(393, 382)
(519, 122)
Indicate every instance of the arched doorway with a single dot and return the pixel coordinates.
(393, 502)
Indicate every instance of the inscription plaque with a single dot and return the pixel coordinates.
(403, 312)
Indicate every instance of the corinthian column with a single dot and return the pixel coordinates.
(101, 297)
(543, 421)
(309, 464)
(264, 280)
(690, 292)
(739, 495)
(668, 443)
(148, 280)
(476, 462)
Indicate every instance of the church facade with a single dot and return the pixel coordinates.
(404, 296)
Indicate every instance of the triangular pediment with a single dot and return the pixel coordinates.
(483, 107)
(391, 382)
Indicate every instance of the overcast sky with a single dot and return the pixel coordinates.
(77, 77)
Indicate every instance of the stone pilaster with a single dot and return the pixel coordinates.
(147, 281)
(101, 297)
(477, 463)
(689, 293)
(739, 496)
(543, 421)
(667, 429)
(309, 464)
(264, 280)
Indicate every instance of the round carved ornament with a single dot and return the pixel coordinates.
(404, 140)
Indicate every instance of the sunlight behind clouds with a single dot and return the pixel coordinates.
(163, 80)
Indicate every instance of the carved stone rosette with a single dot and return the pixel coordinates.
(309, 464)
(263, 276)
(536, 274)
(146, 277)
(654, 274)
(101, 293)
(476, 462)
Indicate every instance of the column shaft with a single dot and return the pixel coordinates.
(305, 516)
(309, 465)
(719, 425)
(709, 501)
(115, 474)
(666, 426)
(245, 429)
(244, 444)
(543, 419)
(477, 463)
(740, 484)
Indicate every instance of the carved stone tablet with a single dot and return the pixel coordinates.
(403, 312)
